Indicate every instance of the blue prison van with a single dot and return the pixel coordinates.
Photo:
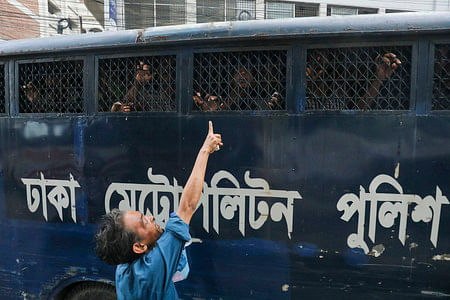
(333, 181)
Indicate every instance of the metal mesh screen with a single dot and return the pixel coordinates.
(441, 86)
(137, 84)
(143, 14)
(170, 12)
(367, 11)
(341, 10)
(375, 78)
(279, 10)
(240, 81)
(139, 14)
(334, 10)
(306, 10)
(240, 10)
(2, 89)
(210, 11)
(51, 87)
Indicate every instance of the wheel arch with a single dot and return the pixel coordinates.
(67, 285)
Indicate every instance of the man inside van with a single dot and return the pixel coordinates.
(146, 255)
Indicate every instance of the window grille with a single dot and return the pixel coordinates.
(367, 11)
(139, 15)
(441, 86)
(2, 89)
(210, 11)
(279, 10)
(342, 11)
(240, 81)
(240, 10)
(306, 10)
(143, 14)
(51, 87)
(358, 78)
(170, 12)
(349, 10)
(137, 84)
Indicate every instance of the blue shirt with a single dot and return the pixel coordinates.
(150, 276)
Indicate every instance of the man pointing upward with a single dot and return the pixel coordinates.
(147, 257)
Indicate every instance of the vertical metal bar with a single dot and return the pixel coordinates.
(13, 87)
(225, 7)
(296, 79)
(185, 71)
(154, 13)
(90, 80)
(6, 87)
(422, 77)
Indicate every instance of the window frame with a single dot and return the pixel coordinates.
(244, 48)
(344, 43)
(433, 44)
(56, 58)
(130, 54)
(6, 99)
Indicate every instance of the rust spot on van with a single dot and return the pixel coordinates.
(159, 38)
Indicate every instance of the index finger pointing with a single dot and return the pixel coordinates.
(211, 131)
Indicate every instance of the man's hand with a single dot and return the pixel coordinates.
(275, 101)
(209, 102)
(212, 103)
(386, 65)
(143, 73)
(197, 98)
(118, 106)
(31, 92)
(212, 140)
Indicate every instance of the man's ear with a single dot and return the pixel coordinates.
(139, 248)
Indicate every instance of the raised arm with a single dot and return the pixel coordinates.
(194, 186)
(386, 66)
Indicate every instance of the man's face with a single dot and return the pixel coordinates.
(144, 226)
(243, 78)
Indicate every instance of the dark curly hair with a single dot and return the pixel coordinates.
(114, 244)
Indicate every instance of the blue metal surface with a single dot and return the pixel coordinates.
(67, 43)
(322, 156)
(319, 156)
(257, 29)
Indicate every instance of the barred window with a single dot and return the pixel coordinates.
(240, 10)
(170, 12)
(279, 10)
(341, 11)
(240, 81)
(210, 11)
(137, 84)
(51, 87)
(441, 86)
(2, 89)
(335, 10)
(375, 78)
(306, 10)
(139, 14)
(143, 14)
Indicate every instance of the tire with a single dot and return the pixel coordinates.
(92, 291)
